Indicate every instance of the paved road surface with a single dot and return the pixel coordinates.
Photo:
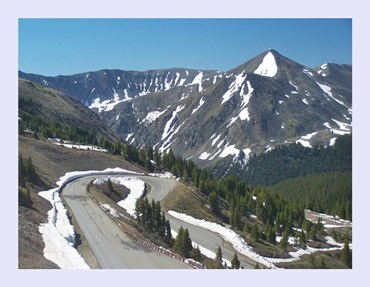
(160, 188)
(111, 246)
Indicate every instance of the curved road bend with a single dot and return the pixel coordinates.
(210, 240)
(111, 246)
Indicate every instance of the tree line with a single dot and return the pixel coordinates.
(26, 176)
(290, 161)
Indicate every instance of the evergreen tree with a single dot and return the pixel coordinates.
(322, 264)
(157, 158)
(168, 232)
(21, 171)
(213, 202)
(302, 239)
(219, 258)
(110, 185)
(255, 232)
(24, 196)
(182, 244)
(312, 261)
(270, 234)
(346, 256)
(30, 170)
(235, 263)
(247, 227)
(284, 241)
(196, 254)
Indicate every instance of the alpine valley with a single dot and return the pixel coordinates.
(183, 168)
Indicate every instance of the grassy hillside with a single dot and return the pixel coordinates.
(48, 111)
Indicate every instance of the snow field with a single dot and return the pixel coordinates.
(268, 67)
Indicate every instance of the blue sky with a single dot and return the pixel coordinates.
(67, 46)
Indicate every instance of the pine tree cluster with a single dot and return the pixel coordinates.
(150, 216)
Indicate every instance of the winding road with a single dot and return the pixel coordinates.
(114, 249)
(111, 246)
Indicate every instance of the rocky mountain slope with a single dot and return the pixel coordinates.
(210, 116)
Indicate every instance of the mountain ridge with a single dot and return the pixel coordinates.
(210, 115)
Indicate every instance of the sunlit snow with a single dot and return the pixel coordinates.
(168, 128)
(244, 114)
(304, 143)
(198, 80)
(108, 105)
(307, 72)
(227, 234)
(268, 67)
(201, 103)
(151, 117)
(332, 141)
(204, 155)
(327, 91)
(216, 139)
(293, 85)
(229, 150)
(234, 87)
(69, 145)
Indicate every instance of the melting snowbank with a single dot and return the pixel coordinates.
(136, 187)
(58, 233)
(241, 246)
(227, 234)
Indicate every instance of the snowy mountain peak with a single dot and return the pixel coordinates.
(268, 67)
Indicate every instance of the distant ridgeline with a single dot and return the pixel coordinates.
(292, 161)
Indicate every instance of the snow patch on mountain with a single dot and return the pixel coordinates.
(201, 103)
(344, 128)
(268, 67)
(323, 69)
(304, 140)
(198, 80)
(234, 87)
(294, 86)
(327, 91)
(204, 155)
(332, 141)
(244, 113)
(307, 72)
(216, 139)
(308, 136)
(151, 117)
(304, 143)
(108, 105)
(233, 120)
(169, 127)
(229, 150)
